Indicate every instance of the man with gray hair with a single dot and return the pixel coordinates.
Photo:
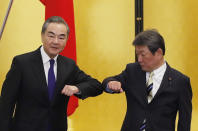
(37, 88)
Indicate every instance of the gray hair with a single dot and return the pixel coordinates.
(55, 19)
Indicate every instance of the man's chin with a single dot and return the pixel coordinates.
(54, 54)
(144, 69)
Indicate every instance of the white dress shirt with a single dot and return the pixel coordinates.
(46, 63)
(157, 79)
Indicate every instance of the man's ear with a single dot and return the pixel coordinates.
(159, 52)
(42, 36)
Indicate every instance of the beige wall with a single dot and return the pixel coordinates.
(104, 32)
(22, 30)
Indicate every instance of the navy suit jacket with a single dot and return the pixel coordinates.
(174, 95)
(25, 93)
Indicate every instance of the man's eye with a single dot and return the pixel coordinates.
(61, 38)
(51, 36)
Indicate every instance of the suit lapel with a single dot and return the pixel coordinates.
(59, 79)
(165, 82)
(38, 70)
(143, 85)
(62, 74)
(139, 91)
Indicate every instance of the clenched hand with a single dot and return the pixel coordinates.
(69, 90)
(115, 86)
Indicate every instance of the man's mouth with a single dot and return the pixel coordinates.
(54, 48)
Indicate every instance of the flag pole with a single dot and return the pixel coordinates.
(5, 18)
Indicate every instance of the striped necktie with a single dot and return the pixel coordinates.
(149, 85)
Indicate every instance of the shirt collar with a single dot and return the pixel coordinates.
(160, 69)
(45, 57)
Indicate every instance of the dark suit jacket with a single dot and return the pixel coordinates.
(25, 89)
(174, 95)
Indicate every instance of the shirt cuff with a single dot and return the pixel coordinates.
(109, 90)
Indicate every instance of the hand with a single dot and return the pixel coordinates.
(69, 90)
(115, 86)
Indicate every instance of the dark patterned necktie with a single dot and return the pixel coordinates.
(149, 85)
(51, 79)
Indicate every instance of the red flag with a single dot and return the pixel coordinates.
(65, 9)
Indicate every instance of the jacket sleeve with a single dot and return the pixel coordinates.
(8, 96)
(120, 77)
(87, 85)
(185, 106)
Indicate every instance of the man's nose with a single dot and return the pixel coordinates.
(55, 40)
(139, 59)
